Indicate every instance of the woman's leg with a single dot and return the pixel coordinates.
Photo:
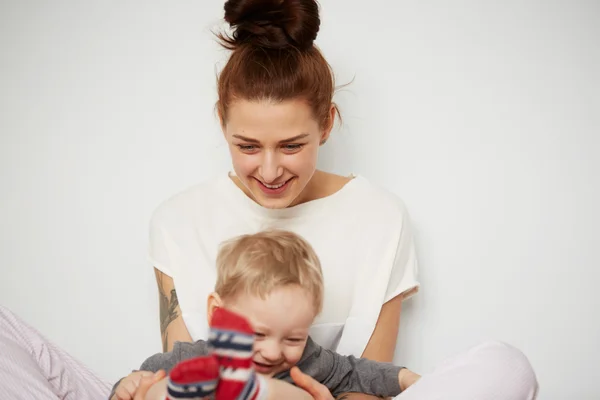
(33, 368)
(489, 371)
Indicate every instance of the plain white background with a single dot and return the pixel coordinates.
(483, 116)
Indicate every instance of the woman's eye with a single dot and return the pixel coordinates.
(293, 147)
(246, 147)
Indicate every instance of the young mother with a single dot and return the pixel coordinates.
(276, 111)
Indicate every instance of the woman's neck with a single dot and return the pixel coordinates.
(321, 185)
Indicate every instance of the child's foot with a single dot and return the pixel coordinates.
(193, 379)
(232, 339)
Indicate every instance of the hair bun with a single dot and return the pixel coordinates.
(274, 24)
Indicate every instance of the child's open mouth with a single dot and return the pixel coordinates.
(262, 368)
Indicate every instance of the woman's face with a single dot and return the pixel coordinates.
(274, 148)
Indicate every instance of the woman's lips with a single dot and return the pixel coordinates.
(274, 190)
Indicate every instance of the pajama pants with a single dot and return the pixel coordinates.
(32, 368)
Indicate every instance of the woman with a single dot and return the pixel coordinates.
(275, 107)
(276, 110)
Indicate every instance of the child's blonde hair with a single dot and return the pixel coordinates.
(256, 264)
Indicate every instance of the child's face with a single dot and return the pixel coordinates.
(281, 323)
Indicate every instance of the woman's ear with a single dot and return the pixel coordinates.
(214, 301)
(330, 123)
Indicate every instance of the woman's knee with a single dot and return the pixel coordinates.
(510, 366)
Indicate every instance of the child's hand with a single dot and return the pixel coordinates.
(128, 387)
(407, 378)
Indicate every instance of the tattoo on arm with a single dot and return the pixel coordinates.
(168, 311)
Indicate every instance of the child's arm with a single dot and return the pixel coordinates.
(126, 387)
(348, 374)
(156, 363)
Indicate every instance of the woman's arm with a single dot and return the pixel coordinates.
(382, 343)
(172, 327)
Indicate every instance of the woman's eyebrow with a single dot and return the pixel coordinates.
(293, 139)
(245, 139)
(288, 140)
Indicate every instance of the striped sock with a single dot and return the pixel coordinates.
(231, 338)
(193, 379)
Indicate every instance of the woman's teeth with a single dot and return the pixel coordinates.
(274, 186)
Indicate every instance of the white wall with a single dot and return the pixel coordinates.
(483, 116)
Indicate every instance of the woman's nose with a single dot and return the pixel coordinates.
(270, 169)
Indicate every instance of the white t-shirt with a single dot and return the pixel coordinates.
(360, 233)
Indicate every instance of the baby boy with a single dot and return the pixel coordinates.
(269, 291)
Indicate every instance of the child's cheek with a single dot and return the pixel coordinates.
(295, 355)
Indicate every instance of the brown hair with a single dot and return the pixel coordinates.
(274, 57)
(259, 263)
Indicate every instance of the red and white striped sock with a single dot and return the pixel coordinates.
(232, 338)
(193, 379)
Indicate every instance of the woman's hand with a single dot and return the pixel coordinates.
(152, 387)
(136, 384)
(317, 390)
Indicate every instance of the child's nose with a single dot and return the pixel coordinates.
(271, 352)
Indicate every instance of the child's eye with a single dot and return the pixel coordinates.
(295, 340)
(259, 335)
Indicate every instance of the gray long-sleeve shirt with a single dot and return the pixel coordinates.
(340, 374)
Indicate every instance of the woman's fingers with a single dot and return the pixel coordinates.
(143, 387)
(314, 388)
(160, 374)
(126, 391)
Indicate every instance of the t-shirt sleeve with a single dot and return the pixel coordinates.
(344, 374)
(404, 273)
(181, 351)
(158, 253)
(392, 272)
(165, 361)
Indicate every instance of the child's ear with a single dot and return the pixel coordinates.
(214, 301)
